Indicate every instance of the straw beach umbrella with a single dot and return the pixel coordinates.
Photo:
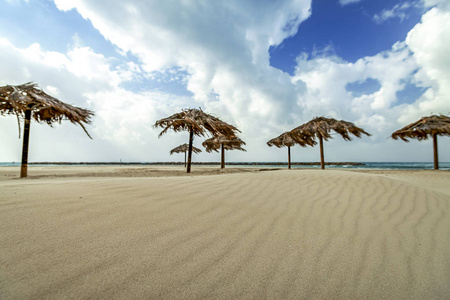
(427, 126)
(321, 127)
(286, 140)
(184, 149)
(196, 122)
(224, 143)
(28, 101)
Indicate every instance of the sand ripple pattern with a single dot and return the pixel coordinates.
(270, 235)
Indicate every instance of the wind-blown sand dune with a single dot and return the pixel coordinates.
(299, 234)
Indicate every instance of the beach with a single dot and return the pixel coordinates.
(111, 232)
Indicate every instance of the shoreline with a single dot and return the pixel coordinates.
(295, 165)
(201, 163)
(148, 171)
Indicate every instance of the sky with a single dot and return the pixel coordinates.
(263, 66)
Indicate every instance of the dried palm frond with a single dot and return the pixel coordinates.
(425, 127)
(223, 142)
(184, 148)
(26, 101)
(321, 127)
(44, 108)
(287, 140)
(197, 121)
(228, 143)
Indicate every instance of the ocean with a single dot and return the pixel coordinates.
(357, 165)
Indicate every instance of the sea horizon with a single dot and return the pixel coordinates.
(349, 165)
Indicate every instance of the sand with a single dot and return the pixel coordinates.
(131, 233)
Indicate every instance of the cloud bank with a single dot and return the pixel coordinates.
(217, 53)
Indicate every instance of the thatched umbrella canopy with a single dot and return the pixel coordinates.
(184, 149)
(28, 101)
(427, 126)
(321, 127)
(197, 123)
(286, 140)
(223, 142)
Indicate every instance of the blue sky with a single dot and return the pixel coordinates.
(41, 22)
(348, 31)
(264, 66)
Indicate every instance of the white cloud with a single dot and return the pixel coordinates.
(223, 46)
(422, 59)
(441, 4)
(127, 117)
(397, 11)
(208, 29)
(92, 69)
(345, 2)
(326, 79)
(86, 79)
(202, 38)
(430, 42)
(17, 1)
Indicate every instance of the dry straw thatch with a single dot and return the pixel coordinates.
(19, 99)
(321, 127)
(287, 140)
(427, 126)
(27, 101)
(223, 142)
(196, 122)
(184, 149)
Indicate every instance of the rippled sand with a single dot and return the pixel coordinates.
(252, 235)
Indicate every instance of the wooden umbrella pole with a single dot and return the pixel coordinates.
(289, 157)
(222, 160)
(26, 139)
(191, 139)
(185, 158)
(435, 152)
(322, 159)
